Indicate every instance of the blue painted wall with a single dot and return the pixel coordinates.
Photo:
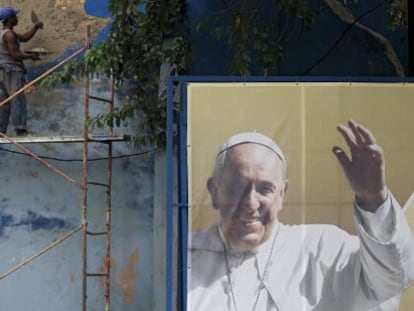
(37, 207)
(356, 54)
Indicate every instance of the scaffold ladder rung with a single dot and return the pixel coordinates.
(96, 274)
(97, 233)
(98, 184)
(100, 99)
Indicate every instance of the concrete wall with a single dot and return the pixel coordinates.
(37, 207)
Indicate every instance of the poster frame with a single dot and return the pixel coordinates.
(177, 173)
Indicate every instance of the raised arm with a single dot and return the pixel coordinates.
(30, 33)
(365, 168)
(386, 254)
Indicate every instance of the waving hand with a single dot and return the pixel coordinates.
(365, 167)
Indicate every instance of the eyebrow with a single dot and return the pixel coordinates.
(269, 184)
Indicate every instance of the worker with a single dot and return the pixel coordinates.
(13, 70)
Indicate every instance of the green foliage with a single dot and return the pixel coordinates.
(112, 119)
(257, 30)
(138, 43)
(65, 75)
(398, 11)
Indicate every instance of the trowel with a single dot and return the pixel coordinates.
(35, 18)
(41, 52)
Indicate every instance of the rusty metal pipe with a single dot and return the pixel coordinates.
(25, 87)
(84, 207)
(28, 260)
(44, 162)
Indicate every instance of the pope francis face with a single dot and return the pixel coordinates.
(248, 193)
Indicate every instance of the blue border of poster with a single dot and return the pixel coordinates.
(177, 135)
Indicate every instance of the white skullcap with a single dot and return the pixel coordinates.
(254, 138)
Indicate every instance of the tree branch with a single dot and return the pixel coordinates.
(347, 16)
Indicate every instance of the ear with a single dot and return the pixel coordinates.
(286, 186)
(282, 193)
(212, 188)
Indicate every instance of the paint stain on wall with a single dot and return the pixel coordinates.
(5, 221)
(36, 222)
(128, 278)
(33, 221)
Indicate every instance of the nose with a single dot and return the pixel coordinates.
(251, 200)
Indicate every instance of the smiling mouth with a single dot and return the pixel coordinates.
(245, 219)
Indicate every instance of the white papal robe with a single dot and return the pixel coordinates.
(311, 267)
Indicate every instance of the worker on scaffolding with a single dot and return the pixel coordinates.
(13, 71)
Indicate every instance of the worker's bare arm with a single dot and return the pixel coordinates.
(30, 33)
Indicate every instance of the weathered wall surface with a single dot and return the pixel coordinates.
(63, 25)
(37, 206)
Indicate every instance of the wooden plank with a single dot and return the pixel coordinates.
(104, 138)
(64, 139)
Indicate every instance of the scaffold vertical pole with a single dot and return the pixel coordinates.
(108, 208)
(108, 192)
(85, 186)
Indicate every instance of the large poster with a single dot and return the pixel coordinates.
(302, 119)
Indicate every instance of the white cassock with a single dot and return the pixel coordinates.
(307, 267)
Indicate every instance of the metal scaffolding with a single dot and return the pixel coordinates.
(86, 139)
(106, 186)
